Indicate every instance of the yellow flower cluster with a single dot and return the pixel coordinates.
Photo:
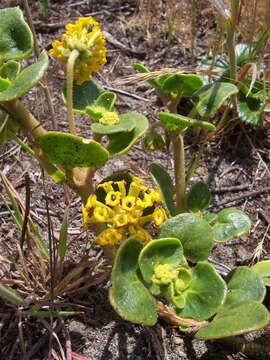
(86, 37)
(123, 211)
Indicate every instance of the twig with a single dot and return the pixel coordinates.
(241, 197)
(231, 188)
(122, 92)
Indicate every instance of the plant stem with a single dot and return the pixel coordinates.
(231, 25)
(179, 170)
(70, 74)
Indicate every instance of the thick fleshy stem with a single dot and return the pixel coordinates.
(70, 75)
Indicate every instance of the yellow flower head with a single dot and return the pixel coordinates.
(123, 211)
(86, 37)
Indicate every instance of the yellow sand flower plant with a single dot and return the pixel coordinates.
(85, 37)
(123, 211)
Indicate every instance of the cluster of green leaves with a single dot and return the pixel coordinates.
(16, 42)
(175, 266)
(253, 91)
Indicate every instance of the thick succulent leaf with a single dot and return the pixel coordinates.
(4, 84)
(122, 142)
(243, 318)
(106, 100)
(162, 251)
(11, 295)
(247, 283)
(128, 296)
(16, 39)
(176, 122)
(198, 197)
(165, 186)
(126, 124)
(250, 109)
(242, 311)
(212, 96)
(195, 234)
(210, 218)
(83, 95)
(262, 269)
(10, 70)
(27, 79)
(230, 223)
(72, 151)
(205, 294)
(182, 84)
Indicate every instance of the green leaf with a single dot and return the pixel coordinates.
(250, 109)
(176, 122)
(243, 318)
(126, 124)
(122, 142)
(182, 84)
(128, 296)
(11, 295)
(156, 252)
(106, 100)
(72, 151)
(205, 294)
(242, 311)
(244, 284)
(198, 197)
(262, 269)
(27, 79)
(153, 141)
(195, 234)
(165, 187)
(230, 223)
(16, 39)
(210, 218)
(10, 70)
(4, 84)
(83, 95)
(212, 96)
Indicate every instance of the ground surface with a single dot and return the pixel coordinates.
(233, 159)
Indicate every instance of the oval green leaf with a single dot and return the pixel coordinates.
(106, 100)
(243, 318)
(165, 187)
(72, 151)
(212, 96)
(198, 197)
(83, 95)
(205, 294)
(16, 39)
(182, 84)
(128, 296)
(176, 122)
(195, 234)
(262, 269)
(27, 79)
(230, 223)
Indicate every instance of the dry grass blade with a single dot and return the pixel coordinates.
(166, 71)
